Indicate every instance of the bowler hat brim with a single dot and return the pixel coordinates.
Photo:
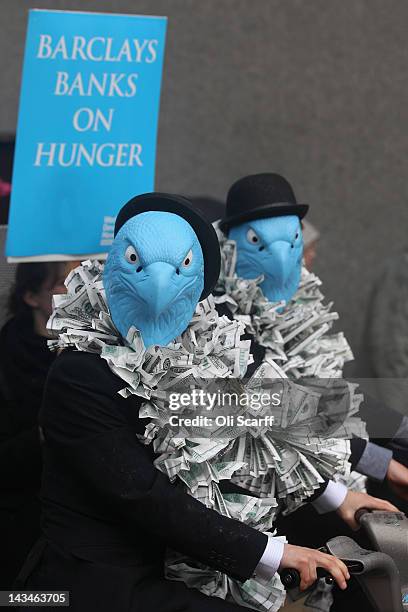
(262, 212)
(180, 206)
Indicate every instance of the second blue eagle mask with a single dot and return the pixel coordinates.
(154, 276)
(272, 247)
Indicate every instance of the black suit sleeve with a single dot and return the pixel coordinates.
(84, 421)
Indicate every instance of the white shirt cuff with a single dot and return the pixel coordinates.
(331, 498)
(269, 562)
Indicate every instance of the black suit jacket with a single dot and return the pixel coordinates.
(103, 499)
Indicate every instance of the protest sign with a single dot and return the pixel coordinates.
(87, 127)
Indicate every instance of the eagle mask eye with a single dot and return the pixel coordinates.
(188, 259)
(131, 255)
(252, 237)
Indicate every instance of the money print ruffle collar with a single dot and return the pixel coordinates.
(279, 467)
(296, 335)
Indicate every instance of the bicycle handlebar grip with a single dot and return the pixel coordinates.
(290, 578)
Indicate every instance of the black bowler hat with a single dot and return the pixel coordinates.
(258, 196)
(180, 206)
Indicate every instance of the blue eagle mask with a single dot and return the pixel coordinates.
(272, 247)
(154, 276)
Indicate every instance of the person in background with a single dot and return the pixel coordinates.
(383, 356)
(311, 237)
(260, 211)
(24, 364)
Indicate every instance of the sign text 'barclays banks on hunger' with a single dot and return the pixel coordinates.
(86, 138)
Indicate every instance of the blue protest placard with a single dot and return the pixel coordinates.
(87, 128)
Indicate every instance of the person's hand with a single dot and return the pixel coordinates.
(307, 560)
(397, 479)
(355, 500)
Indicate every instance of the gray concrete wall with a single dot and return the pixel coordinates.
(314, 89)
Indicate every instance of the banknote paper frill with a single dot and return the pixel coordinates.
(297, 336)
(279, 467)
